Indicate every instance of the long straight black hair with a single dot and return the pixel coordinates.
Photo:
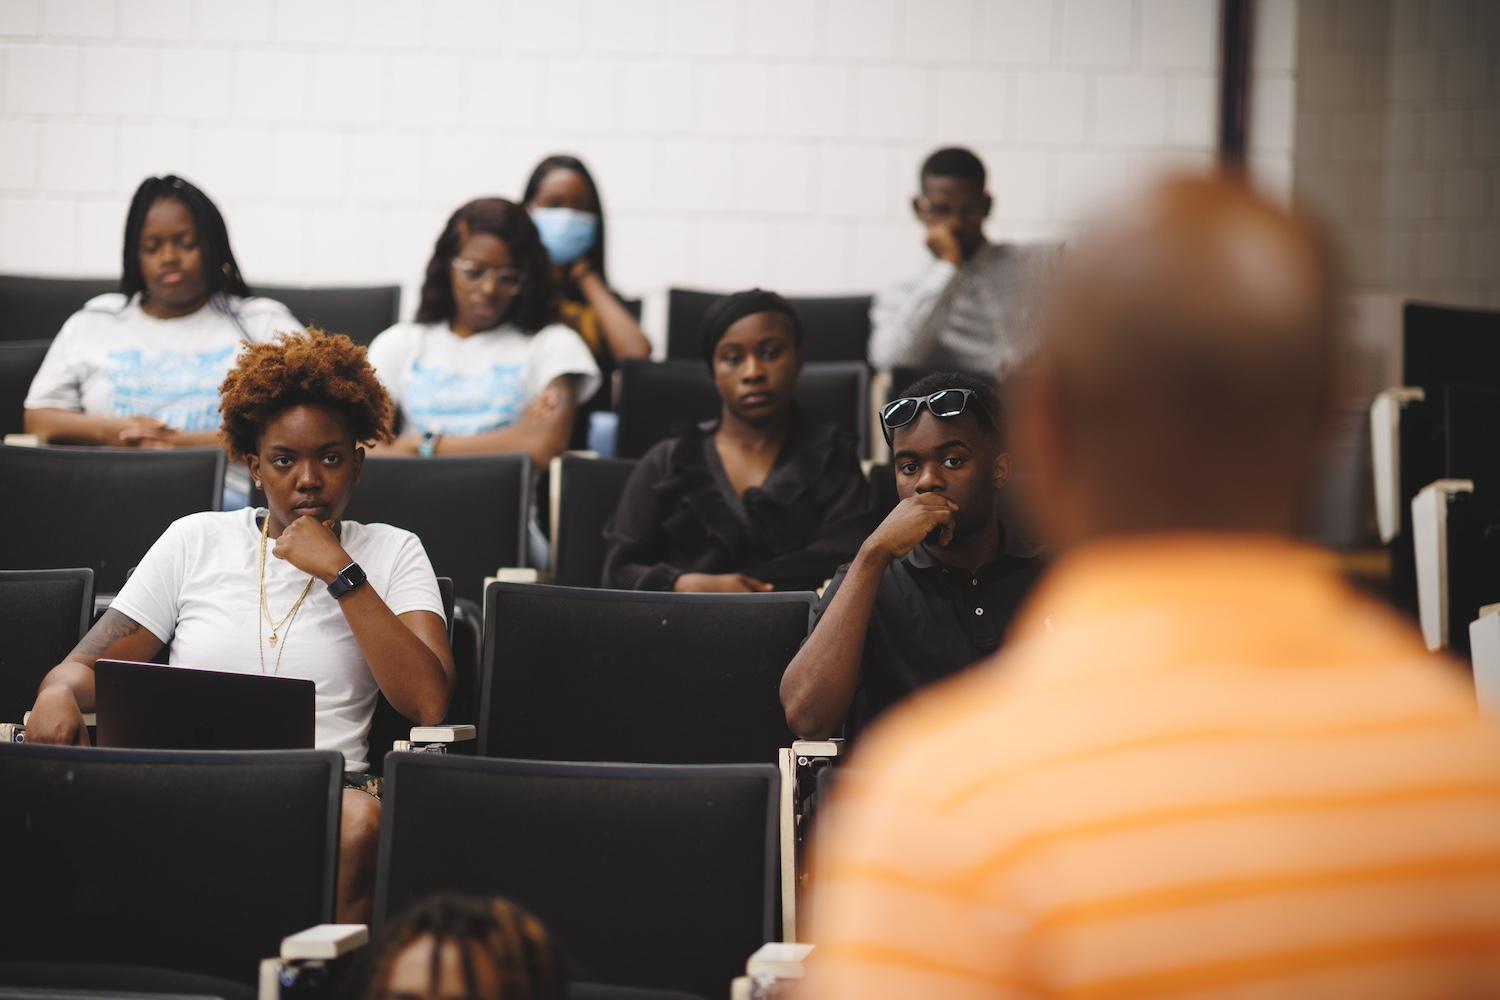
(221, 271)
(562, 161)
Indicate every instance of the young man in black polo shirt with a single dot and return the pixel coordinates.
(933, 588)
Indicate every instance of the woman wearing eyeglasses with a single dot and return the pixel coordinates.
(762, 498)
(483, 370)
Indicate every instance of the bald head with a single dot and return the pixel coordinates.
(1186, 367)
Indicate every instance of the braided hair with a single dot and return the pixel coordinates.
(527, 966)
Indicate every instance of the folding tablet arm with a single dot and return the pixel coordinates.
(1385, 454)
(799, 765)
(772, 972)
(312, 963)
(1484, 647)
(15, 732)
(434, 739)
(1429, 520)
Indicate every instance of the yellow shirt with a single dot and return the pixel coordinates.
(1203, 767)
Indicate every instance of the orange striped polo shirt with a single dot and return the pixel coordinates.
(1203, 767)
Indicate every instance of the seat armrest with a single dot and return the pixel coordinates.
(89, 719)
(1385, 455)
(772, 972)
(313, 963)
(817, 748)
(461, 733)
(1484, 647)
(435, 739)
(324, 942)
(1429, 537)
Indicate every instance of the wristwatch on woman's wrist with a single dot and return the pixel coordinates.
(349, 577)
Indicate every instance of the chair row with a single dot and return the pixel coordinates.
(564, 674)
(103, 508)
(661, 878)
(35, 308)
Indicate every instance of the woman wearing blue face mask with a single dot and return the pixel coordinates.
(564, 204)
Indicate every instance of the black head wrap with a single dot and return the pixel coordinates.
(730, 309)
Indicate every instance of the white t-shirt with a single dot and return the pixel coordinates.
(112, 360)
(449, 384)
(198, 588)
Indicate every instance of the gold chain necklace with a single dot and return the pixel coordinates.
(285, 625)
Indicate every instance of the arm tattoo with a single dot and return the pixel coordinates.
(111, 625)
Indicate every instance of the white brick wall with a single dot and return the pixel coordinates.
(736, 141)
(1397, 121)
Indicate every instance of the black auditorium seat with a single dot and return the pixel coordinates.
(35, 308)
(577, 674)
(360, 312)
(657, 398)
(183, 862)
(388, 725)
(647, 876)
(470, 512)
(585, 491)
(43, 614)
(835, 328)
(98, 507)
(19, 362)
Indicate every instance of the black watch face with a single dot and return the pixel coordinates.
(354, 576)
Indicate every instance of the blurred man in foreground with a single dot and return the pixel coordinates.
(1203, 766)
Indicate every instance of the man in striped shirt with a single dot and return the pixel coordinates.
(1203, 766)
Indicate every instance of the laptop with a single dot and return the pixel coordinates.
(155, 707)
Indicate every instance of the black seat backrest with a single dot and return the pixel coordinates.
(99, 507)
(19, 362)
(588, 491)
(388, 725)
(190, 860)
(43, 614)
(658, 398)
(578, 674)
(470, 512)
(36, 308)
(646, 876)
(359, 313)
(834, 328)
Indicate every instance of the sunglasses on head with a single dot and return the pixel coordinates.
(945, 404)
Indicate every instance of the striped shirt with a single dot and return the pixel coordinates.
(1202, 767)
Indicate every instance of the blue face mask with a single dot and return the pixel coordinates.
(566, 233)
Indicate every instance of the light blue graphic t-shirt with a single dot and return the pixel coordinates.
(455, 385)
(110, 359)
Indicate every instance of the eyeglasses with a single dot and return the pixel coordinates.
(475, 273)
(945, 404)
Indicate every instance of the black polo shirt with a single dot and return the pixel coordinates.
(930, 621)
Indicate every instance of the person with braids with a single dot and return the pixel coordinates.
(140, 368)
(484, 369)
(761, 498)
(291, 589)
(451, 947)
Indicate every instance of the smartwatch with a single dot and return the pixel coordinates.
(349, 577)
